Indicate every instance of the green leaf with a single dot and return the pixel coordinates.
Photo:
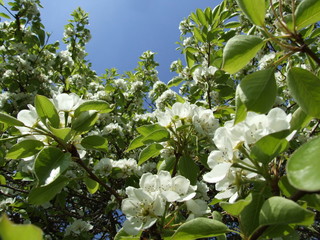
(200, 228)
(91, 185)
(255, 10)
(304, 87)
(84, 121)
(24, 149)
(97, 105)
(175, 82)
(44, 194)
(307, 12)
(202, 17)
(167, 164)
(157, 136)
(258, 91)
(146, 130)
(249, 216)
(198, 35)
(270, 146)
(303, 167)
(11, 231)
(241, 110)
(50, 163)
(180, 99)
(238, 52)
(190, 58)
(11, 121)
(3, 180)
(299, 120)
(95, 142)
(64, 134)
(135, 143)
(282, 231)
(150, 151)
(122, 235)
(232, 24)
(288, 190)
(5, 15)
(46, 110)
(236, 208)
(189, 169)
(279, 210)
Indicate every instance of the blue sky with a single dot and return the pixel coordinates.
(122, 29)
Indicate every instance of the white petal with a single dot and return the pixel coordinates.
(170, 196)
(149, 182)
(180, 184)
(217, 173)
(165, 181)
(29, 118)
(150, 221)
(197, 207)
(130, 207)
(226, 194)
(132, 226)
(215, 157)
(159, 206)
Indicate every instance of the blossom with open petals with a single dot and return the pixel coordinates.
(142, 210)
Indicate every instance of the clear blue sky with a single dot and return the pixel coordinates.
(122, 29)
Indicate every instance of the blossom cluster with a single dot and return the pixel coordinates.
(185, 113)
(146, 204)
(228, 137)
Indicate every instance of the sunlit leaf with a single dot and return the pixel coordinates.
(239, 50)
(50, 163)
(11, 231)
(255, 10)
(307, 12)
(200, 228)
(25, 148)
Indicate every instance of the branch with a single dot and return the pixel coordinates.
(78, 160)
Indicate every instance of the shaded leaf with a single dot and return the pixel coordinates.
(279, 210)
(304, 87)
(303, 166)
(189, 169)
(299, 120)
(258, 91)
(270, 146)
(44, 194)
(95, 142)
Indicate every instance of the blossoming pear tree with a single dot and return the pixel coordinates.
(229, 148)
